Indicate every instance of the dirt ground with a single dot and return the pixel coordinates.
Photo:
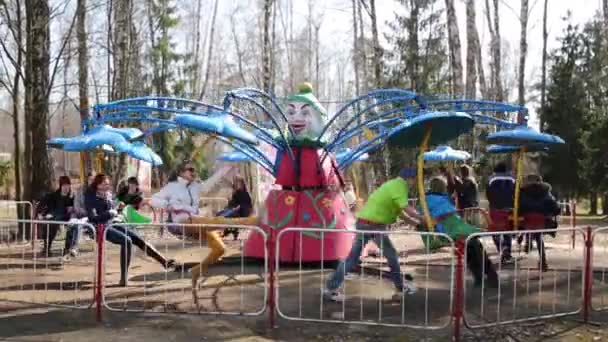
(164, 310)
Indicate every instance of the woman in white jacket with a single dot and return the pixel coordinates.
(181, 198)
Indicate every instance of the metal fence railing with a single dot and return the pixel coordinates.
(368, 296)
(52, 276)
(159, 273)
(526, 290)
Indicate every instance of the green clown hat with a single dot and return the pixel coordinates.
(305, 95)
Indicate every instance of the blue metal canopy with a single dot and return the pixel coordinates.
(235, 157)
(445, 126)
(91, 140)
(446, 153)
(217, 124)
(141, 151)
(496, 149)
(523, 136)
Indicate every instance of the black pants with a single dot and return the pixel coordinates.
(479, 263)
(49, 232)
(134, 239)
(540, 244)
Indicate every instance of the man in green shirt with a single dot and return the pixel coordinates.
(383, 207)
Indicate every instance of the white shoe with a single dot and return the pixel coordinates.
(333, 295)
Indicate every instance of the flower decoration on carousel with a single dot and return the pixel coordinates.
(290, 200)
(327, 203)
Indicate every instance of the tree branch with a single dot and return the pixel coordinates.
(63, 45)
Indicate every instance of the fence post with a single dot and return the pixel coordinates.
(573, 221)
(588, 274)
(99, 276)
(458, 291)
(271, 246)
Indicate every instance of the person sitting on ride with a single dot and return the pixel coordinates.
(55, 206)
(500, 192)
(101, 210)
(181, 197)
(240, 205)
(536, 198)
(445, 214)
(131, 214)
(127, 194)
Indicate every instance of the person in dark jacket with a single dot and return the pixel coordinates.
(55, 206)
(536, 197)
(240, 204)
(101, 210)
(466, 188)
(500, 193)
(130, 193)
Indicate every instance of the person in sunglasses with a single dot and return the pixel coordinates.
(180, 198)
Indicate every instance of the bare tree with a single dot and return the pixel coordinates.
(362, 53)
(266, 46)
(209, 51)
(543, 81)
(454, 43)
(37, 82)
(471, 80)
(377, 55)
(15, 26)
(197, 48)
(355, 48)
(83, 71)
(237, 46)
(495, 42)
(523, 50)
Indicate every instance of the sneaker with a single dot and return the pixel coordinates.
(408, 289)
(333, 295)
(543, 267)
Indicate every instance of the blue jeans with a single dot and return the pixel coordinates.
(72, 238)
(385, 245)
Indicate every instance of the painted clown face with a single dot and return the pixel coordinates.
(304, 120)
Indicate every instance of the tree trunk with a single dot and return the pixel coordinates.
(83, 71)
(197, 49)
(543, 80)
(273, 52)
(362, 53)
(470, 90)
(18, 28)
(523, 50)
(454, 44)
(239, 53)
(122, 26)
(266, 46)
(481, 76)
(412, 43)
(495, 67)
(496, 45)
(37, 85)
(593, 203)
(309, 39)
(377, 48)
(356, 48)
(209, 52)
(605, 204)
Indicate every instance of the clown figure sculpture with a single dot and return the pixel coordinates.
(310, 194)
